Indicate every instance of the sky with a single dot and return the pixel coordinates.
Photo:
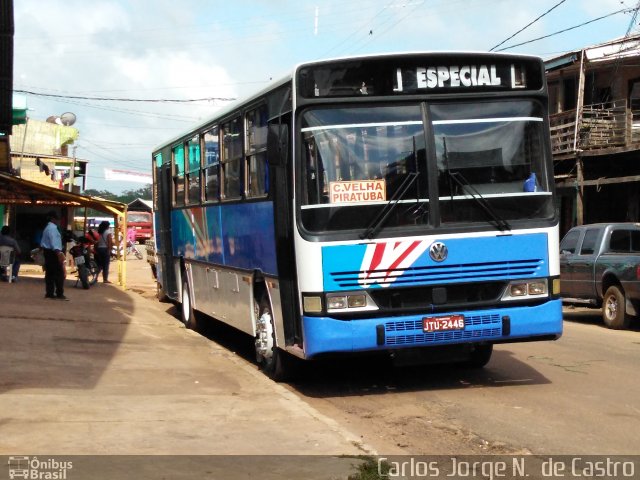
(213, 51)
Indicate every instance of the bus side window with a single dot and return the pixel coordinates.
(256, 152)
(178, 175)
(192, 183)
(211, 168)
(232, 159)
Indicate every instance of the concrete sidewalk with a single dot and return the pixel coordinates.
(112, 372)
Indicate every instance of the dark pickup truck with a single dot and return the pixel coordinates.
(600, 267)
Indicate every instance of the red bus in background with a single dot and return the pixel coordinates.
(142, 222)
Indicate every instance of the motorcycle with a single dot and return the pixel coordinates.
(86, 266)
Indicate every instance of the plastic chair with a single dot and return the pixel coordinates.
(7, 258)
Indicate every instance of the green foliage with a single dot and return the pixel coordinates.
(369, 470)
(126, 196)
(100, 193)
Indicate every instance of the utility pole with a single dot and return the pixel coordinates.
(72, 173)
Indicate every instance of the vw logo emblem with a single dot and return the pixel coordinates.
(438, 251)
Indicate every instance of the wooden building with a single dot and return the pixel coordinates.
(594, 102)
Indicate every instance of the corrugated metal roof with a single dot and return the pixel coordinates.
(17, 191)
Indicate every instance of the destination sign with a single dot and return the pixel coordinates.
(420, 74)
(357, 191)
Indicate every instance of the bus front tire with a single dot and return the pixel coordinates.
(186, 309)
(274, 362)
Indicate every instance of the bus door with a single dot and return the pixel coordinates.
(165, 249)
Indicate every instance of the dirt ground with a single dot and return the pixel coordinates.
(443, 410)
(360, 399)
(386, 406)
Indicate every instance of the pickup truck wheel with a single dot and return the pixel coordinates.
(613, 309)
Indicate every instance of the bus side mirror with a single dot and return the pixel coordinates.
(278, 144)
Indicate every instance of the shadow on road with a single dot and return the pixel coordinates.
(58, 344)
(376, 373)
(592, 316)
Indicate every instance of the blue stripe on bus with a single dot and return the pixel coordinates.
(328, 335)
(234, 235)
(407, 262)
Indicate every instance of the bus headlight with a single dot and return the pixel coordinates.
(518, 289)
(336, 303)
(346, 301)
(537, 288)
(350, 302)
(357, 301)
(522, 289)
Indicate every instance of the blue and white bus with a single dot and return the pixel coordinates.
(400, 203)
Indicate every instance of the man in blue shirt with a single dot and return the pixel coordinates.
(54, 258)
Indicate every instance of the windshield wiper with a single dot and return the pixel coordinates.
(376, 224)
(457, 177)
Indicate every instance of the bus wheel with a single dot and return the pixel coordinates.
(479, 355)
(613, 309)
(270, 358)
(188, 315)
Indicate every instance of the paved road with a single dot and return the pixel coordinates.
(112, 372)
(132, 380)
(578, 395)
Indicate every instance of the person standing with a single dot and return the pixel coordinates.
(8, 241)
(103, 250)
(54, 258)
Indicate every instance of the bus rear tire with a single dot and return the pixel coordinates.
(186, 309)
(273, 361)
(479, 355)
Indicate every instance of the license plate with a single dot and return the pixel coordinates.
(437, 324)
(79, 260)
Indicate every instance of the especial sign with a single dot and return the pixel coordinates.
(420, 74)
(452, 76)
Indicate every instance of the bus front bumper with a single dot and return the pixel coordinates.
(500, 325)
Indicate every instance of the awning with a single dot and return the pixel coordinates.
(17, 191)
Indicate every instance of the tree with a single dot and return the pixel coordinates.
(129, 196)
(126, 196)
(100, 193)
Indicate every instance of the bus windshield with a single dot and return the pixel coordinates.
(493, 151)
(488, 157)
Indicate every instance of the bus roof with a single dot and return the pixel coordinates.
(225, 111)
(287, 78)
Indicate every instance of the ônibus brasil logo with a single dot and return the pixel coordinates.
(38, 469)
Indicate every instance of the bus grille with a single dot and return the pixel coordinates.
(410, 332)
(440, 273)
